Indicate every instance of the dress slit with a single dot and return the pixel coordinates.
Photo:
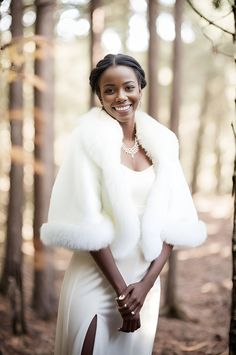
(89, 339)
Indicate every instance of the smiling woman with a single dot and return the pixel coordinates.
(120, 93)
(120, 201)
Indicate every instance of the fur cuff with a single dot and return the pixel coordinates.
(185, 235)
(78, 236)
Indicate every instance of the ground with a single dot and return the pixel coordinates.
(203, 292)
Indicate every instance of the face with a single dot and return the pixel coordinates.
(120, 92)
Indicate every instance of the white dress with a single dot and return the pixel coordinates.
(86, 293)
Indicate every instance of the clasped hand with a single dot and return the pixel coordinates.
(129, 305)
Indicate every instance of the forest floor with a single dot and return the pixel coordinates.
(203, 292)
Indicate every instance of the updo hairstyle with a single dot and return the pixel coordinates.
(115, 59)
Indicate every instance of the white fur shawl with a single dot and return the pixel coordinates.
(78, 220)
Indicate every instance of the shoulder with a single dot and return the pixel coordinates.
(97, 134)
(148, 123)
(95, 122)
(156, 136)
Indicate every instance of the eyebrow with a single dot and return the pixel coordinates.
(127, 82)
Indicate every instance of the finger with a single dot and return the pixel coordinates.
(124, 327)
(122, 303)
(128, 291)
(134, 325)
(130, 325)
(128, 310)
(123, 307)
(132, 303)
(136, 322)
(124, 312)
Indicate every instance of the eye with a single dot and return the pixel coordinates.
(109, 91)
(130, 87)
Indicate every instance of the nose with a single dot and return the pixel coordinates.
(121, 96)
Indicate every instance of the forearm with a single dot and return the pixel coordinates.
(104, 259)
(157, 265)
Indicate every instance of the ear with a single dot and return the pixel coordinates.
(99, 95)
(140, 93)
(100, 98)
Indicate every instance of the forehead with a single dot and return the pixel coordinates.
(118, 74)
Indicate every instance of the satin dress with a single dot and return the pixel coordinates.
(86, 293)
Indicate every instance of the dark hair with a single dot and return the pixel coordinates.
(115, 59)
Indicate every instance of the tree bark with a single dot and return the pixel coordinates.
(152, 59)
(218, 154)
(177, 60)
(12, 269)
(232, 329)
(201, 129)
(97, 27)
(43, 292)
(171, 307)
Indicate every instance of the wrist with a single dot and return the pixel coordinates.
(148, 282)
(120, 288)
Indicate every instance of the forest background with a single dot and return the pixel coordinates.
(47, 51)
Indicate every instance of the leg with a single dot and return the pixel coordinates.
(89, 338)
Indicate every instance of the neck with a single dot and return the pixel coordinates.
(128, 131)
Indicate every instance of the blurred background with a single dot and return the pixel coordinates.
(48, 48)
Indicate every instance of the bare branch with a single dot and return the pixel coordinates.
(209, 21)
(215, 48)
(234, 175)
(233, 129)
(223, 16)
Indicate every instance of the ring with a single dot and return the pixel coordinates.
(132, 313)
(120, 298)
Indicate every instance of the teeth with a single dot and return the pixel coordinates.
(124, 108)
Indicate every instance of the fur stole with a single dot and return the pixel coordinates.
(78, 220)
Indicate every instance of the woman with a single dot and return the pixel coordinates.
(120, 201)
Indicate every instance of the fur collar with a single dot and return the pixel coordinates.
(101, 131)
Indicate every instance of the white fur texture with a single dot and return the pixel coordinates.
(92, 169)
(75, 237)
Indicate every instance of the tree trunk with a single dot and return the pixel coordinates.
(97, 27)
(43, 293)
(152, 59)
(201, 129)
(218, 153)
(12, 280)
(177, 59)
(171, 307)
(232, 329)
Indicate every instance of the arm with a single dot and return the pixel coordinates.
(157, 265)
(105, 261)
(136, 293)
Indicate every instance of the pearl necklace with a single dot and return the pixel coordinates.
(131, 150)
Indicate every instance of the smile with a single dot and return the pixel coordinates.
(122, 108)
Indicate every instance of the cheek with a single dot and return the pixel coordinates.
(137, 97)
(107, 98)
